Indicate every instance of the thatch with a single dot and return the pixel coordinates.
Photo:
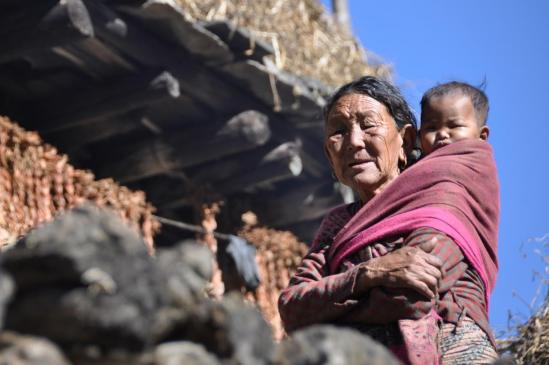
(531, 346)
(36, 182)
(305, 38)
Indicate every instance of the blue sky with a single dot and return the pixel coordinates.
(504, 41)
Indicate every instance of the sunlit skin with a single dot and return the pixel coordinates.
(447, 119)
(363, 144)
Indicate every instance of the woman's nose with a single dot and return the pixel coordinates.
(356, 137)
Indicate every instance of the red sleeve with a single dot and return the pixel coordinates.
(446, 250)
(384, 305)
(315, 297)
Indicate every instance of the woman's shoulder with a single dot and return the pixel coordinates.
(333, 222)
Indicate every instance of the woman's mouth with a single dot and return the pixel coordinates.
(359, 163)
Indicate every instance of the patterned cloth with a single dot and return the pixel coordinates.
(466, 344)
(315, 296)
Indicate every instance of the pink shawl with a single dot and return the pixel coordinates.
(454, 189)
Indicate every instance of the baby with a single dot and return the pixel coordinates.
(452, 112)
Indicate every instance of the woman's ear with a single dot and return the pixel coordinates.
(409, 135)
(484, 132)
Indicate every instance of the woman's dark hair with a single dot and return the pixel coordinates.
(383, 92)
(386, 94)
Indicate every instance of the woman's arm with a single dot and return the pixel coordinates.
(388, 303)
(313, 296)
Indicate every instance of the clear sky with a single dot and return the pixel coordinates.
(506, 42)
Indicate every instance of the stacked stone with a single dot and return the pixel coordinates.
(36, 182)
(84, 291)
(278, 256)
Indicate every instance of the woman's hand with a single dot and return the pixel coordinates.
(408, 267)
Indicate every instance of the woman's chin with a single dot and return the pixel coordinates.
(367, 183)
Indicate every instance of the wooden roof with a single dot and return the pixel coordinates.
(180, 109)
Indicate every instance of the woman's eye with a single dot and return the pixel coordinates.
(337, 132)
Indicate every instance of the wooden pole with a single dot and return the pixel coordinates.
(342, 15)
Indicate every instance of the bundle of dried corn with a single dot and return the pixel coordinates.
(306, 40)
(36, 182)
(278, 255)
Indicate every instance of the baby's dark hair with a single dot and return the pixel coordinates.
(476, 94)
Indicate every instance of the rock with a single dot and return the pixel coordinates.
(190, 256)
(181, 352)
(329, 345)
(93, 282)
(6, 292)
(231, 329)
(27, 350)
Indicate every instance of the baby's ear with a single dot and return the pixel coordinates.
(484, 132)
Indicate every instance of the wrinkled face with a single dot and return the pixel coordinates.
(447, 119)
(363, 144)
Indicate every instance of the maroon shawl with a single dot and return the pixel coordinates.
(458, 180)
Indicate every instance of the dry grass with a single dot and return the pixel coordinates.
(531, 346)
(305, 38)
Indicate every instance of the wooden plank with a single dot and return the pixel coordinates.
(244, 131)
(305, 202)
(280, 164)
(237, 173)
(80, 108)
(241, 42)
(146, 49)
(42, 26)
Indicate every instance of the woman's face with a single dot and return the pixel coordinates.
(363, 144)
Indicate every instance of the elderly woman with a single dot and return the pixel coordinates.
(413, 262)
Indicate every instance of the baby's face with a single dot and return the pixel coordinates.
(448, 119)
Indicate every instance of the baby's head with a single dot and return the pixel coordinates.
(452, 112)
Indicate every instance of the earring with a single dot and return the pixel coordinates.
(402, 163)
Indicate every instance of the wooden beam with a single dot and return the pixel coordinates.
(80, 108)
(280, 164)
(145, 49)
(38, 25)
(237, 173)
(243, 132)
(305, 202)
(342, 16)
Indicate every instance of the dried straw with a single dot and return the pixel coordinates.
(36, 182)
(305, 38)
(531, 346)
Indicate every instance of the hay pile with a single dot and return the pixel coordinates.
(531, 346)
(36, 182)
(278, 255)
(306, 40)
